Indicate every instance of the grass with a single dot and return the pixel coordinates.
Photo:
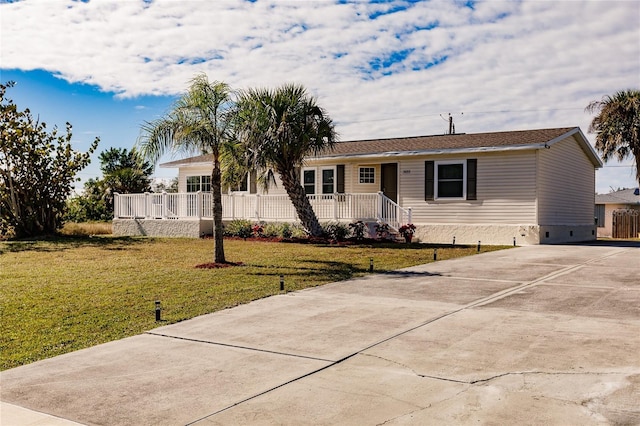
(66, 293)
(86, 228)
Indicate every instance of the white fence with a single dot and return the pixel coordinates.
(198, 205)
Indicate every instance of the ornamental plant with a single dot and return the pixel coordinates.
(357, 229)
(382, 231)
(408, 229)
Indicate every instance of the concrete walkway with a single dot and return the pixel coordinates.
(533, 335)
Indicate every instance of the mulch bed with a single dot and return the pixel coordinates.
(310, 240)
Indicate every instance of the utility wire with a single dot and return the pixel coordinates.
(466, 112)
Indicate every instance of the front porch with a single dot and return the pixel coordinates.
(190, 214)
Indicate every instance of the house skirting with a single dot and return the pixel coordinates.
(490, 234)
(190, 228)
(495, 234)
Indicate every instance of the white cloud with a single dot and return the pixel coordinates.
(505, 64)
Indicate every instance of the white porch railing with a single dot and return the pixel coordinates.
(197, 205)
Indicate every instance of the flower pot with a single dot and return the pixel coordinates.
(408, 238)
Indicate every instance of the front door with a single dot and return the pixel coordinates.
(389, 187)
(389, 181)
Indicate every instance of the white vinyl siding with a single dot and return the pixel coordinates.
(505, 191)
(566, 182)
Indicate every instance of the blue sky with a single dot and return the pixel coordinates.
(380, 68)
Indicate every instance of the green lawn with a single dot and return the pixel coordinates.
(68, 293)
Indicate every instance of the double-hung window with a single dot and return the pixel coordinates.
(450, 180)
(198, 183)
(327, 181)
(309, 181)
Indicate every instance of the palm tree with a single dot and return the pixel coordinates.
(200, 122)
(277, 129)
(617, 126)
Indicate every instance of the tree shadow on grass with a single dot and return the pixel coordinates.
(337, 271)
(60, 243)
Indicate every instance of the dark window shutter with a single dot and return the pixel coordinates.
(428, 180)
(472, 169)
(340, 179)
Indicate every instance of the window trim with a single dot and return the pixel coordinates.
(436, 181)
(321, 183)
(315, 180)
(199, 184)
(373, 175)
(318, 176)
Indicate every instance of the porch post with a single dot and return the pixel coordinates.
(335, 206)
(116, 205)
(199, 204)
(147, 205)
(409, 215)
(380, 201)
(164, 205)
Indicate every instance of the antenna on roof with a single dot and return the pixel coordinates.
(452, 127)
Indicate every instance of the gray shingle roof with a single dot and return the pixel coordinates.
(624, 196)
(447, 142)
(433, 144)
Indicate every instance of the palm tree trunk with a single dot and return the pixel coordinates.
(216, 199)
(300, 202)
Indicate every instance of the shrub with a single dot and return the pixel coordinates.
(297, 231)
(335, 230)
(238, 228)
(272, 230)
(357, 229)
(257, 230)
(286, 231)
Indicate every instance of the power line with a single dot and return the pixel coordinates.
(467, 112)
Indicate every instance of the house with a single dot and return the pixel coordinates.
(531, 187)
(607, 204)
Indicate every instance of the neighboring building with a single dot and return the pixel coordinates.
(606, 204)
(536, 186)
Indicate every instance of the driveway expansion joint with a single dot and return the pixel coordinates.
(229, 345)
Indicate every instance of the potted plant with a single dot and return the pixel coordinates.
(407, 231)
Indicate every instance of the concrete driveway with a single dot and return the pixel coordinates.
(532, 335)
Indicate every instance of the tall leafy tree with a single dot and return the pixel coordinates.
(37, 171)
(199, 122)
(123, 172)
(277, 129)
(617, 126)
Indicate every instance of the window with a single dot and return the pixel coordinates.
(206, 183)
(599, 215)
(309, 181)
(450, 180)
(327, 181)
(198, 183)
(193, 183)
(367, 175)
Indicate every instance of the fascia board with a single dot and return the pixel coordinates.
(432, 152)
